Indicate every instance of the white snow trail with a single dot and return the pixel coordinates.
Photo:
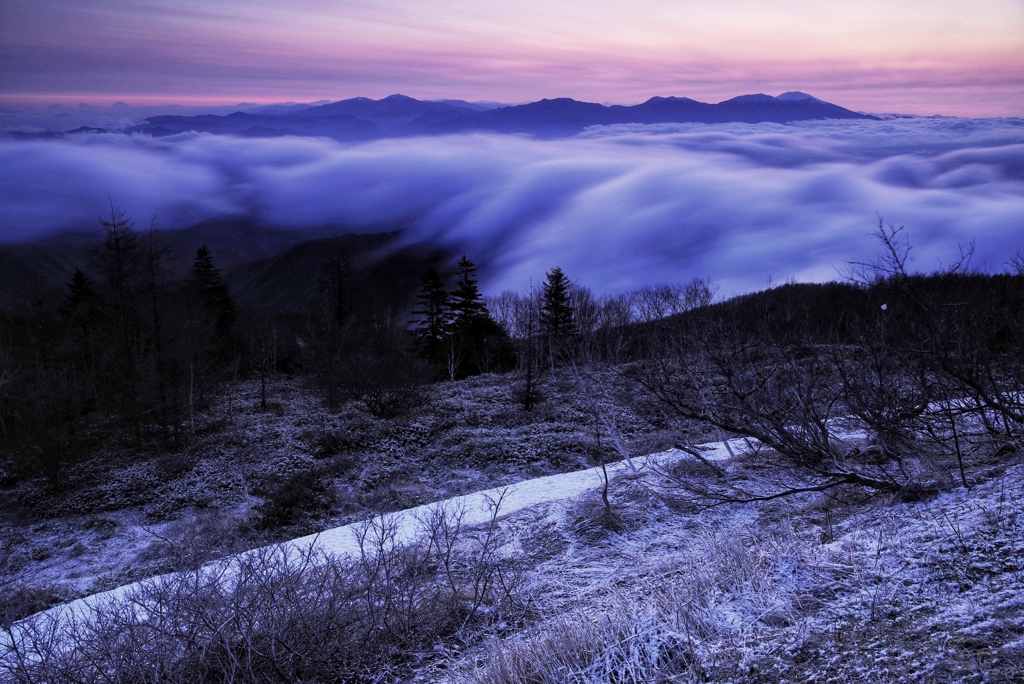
(476, 508)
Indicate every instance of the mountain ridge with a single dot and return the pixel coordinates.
(398, 115)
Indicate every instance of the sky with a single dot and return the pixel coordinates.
(616, 207)
(912, 56)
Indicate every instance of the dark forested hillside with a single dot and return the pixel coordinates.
(49, 262)
(289, 280)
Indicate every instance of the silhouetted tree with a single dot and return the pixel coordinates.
(473, 343)
(432, 307)
(529, 318)
(216, 299)
(82, 313)
(263, 342)
(331, 325)
(336, 283)
(156, 277)
(557, 318)
(121, 261)
(467, 304)
(466, 309)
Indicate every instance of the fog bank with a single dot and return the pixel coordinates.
(615, 207)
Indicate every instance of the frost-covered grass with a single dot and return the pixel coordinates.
(835, 586)
(809, 589)
(249, 477)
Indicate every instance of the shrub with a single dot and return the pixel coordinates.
(282, 614)
(188, 543)
(295, 499)
(18, 601)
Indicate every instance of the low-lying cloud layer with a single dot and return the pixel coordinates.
(616, 207)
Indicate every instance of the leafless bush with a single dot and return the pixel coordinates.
(19, 600)
(967, 326)
(195, 539)
(930, 377)
(279, 615)
(779, 390)
(385, 382)
(627, 506)
(295, 499)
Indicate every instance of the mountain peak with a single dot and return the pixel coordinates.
(797, 96)
(752, 99)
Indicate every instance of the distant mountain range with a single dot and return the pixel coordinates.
(361, 118)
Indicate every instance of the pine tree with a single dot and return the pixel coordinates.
(467, 304)
(82, 304)
(215, 297)
(120, 258)
(474, 343)
(557, 318)
(82, 313)
(432, 306)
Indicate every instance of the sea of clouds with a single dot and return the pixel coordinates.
(615, 207)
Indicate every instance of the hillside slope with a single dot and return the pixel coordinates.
(810, 588)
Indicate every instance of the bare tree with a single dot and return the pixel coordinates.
(262, 337)
(759, 383)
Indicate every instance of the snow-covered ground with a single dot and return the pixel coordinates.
(122, 517)
(472, 509)
(816, 587)
(811, 588)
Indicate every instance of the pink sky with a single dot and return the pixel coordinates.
(912, 56)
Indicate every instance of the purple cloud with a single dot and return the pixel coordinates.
(615, 207)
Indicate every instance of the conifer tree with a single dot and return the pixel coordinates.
(120, 258)
(82, 314)
(432, 306)
(474, 343)
(214, 295)
(120, 261)
(467, 304)
(82, 305)
(557, 317)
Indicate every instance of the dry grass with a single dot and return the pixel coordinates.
(781, 592)
(627, 642)
(280, 615)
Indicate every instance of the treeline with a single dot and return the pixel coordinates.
(130, 355)
(134, 355)
(892, 381)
